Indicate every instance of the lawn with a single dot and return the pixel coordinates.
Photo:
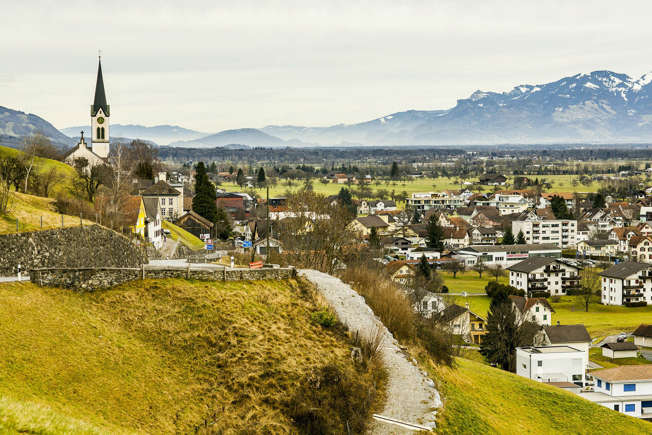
(479, 399)
(560, 183)
(178, 233)
(600, 320)
(29, 210)
(161, 356)
(468, 281)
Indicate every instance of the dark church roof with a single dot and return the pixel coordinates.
(100, 97)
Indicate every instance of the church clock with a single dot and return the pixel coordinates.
(100, 120)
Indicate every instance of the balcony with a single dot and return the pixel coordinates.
(537, 286)
(632, 287)
(645, 276)
(570, 278)
(633, 294)
(544, 279)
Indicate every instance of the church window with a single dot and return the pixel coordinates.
(98, 133)
(102, 131)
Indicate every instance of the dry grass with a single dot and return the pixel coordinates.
(163, 356)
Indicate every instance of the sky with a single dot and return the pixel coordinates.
(219, 65)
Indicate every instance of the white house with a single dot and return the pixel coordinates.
(551, 364)
(619, 350)
(506, 203)
(627, 283)
(535, 310)
(561, 232)
(643, 336)
(544, 274)
(506, 255)
(170, 199)
(626, 389)
(575, 336)
(153, 221)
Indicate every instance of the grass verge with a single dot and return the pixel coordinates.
(188, 239)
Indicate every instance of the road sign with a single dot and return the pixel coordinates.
(246, 244)
(256, 265)
(204, 236)
(209, 247)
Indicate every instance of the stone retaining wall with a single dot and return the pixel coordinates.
(105, 277)
(73, 247)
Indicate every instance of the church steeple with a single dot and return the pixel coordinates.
(100, 97)
(100, 112)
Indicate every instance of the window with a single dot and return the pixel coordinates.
(537, 309)
(545, 317)
(607, 385)
(170, 201)
(629, 387)
(539, 363)
(102, 131)
(170, 212)
(162, 201)
(630, 407)
(98, 133)
(616, 407)
(599, 383)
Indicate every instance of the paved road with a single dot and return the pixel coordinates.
(411, 394)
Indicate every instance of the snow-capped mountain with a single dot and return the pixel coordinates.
(602, 106)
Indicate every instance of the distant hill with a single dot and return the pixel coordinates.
(15, 125)
(159, 134)
(600, 107)
(243, 136)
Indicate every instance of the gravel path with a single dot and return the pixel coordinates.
(411, 395)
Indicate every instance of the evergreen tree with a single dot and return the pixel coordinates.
(346, 200)
(424, 268)
(240, 178)
(520, 239)
(508, 237)
(203, 203)
(598, 201)
(559, 209)
(374, 241)
(260, 180)
(416, 217)
(394, 172)
(222, 226)
(231, 169)
(434, 233)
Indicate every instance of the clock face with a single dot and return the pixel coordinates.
(100, 120)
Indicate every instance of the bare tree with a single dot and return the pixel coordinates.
(5, 192)
(49, 179)
(497, 271)
(454, 267)
(480, 267)
(31, 146)
(589, 284)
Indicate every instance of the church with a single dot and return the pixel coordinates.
(98, 153)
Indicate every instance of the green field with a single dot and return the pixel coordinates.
(468, 281)
(161, 356)
(479, 399)
(560, 183)
(601, 319)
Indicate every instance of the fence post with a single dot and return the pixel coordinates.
(142, 266)
(41, 221)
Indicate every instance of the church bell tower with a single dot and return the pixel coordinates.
(100, 113)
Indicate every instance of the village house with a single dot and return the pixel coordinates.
(363, 225)
(544, 274)
(628, 283)
(417, 253)
(562, 232)
(447, 199)
(597, 248)
(455, 238)
(195, 224)
(397, 244)
(552, 364)
(463, 322)
(643, 336)
(574, 336)
(626, 389)
(483, 236)
(505, 255)
(153, 220)
(546, 199)
(135, 216)
(400, 272)
(237, 205)
(429, 305)
(373, 207)
(506, 203)
(535, 310)
(640, 249)
(492, 179)
(170, 199)
(617, 350)
(622, 236)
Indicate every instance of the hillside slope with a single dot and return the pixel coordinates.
(166, 356)
(14, 125)
(479, 399)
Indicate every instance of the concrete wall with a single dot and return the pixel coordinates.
(74, 247)
(106, 277)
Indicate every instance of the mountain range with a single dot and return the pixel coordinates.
(599, 107)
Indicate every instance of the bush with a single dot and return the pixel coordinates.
(540, 294)
(437, 341)
(444, 289)
(575, 292)
(635, 304)
(493, 288)
(324, 318)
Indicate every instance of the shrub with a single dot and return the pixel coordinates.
(540, 294)
(444, 289)
(437, 341)
(324, 318)
(635, 304)
(493, 288)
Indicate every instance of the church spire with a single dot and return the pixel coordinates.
(100, 97)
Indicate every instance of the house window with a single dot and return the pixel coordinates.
(545, 317)
(170, 201)
(630, 407)
(539, 363)
(616, 407)
(170, 212)
(629, 387)
(599, 383)
(607, 385)
(537, 309)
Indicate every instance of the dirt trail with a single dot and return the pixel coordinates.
(411, 394)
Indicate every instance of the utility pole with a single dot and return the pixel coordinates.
(268, 227)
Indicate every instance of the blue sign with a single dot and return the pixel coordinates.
(209, 247)
(246, 244)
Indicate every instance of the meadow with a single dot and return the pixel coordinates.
(469, 281)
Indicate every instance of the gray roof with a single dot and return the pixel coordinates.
(100, 97)
(513, 248)
(161, 188)
(451, 312)
(531, 264)
(567, 334)
(643, 331)
(625, 269)
(620, 346)
(372, 221)
(152, 207)
(599, 243)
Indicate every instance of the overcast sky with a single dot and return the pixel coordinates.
(237, 64)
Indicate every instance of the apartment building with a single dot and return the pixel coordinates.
(560, 232)
(544, 274)
(627, 283)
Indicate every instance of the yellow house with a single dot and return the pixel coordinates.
(135, 215)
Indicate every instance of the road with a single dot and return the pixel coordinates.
(14, 278)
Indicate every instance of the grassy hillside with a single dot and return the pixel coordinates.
(29, 210)
(163, 356)
(468, 281)
(42, 165)
(178, 233)
(479, 399)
